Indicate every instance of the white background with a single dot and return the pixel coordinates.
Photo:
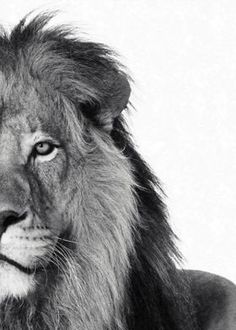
(182, 56)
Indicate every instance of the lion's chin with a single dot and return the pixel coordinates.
(14, 282)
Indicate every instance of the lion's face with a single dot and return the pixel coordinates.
(34, 172)
(67, 204)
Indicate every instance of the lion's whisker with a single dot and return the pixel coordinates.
(66, 240)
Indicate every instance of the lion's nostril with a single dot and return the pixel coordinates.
(8, 218)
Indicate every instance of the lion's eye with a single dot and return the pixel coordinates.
(43, 148)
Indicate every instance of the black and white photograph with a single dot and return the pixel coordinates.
(118, 165)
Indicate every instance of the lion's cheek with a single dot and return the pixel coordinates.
(50, 199)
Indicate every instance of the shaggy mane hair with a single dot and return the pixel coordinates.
(120, 273)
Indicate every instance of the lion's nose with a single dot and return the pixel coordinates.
(10, 217)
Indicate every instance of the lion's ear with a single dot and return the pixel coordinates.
(114, 91)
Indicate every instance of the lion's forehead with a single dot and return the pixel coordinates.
(26, 109)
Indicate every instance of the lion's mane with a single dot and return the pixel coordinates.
(115, 268)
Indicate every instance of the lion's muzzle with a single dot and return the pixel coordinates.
(25, 241)
(10, 217)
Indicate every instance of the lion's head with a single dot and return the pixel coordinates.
(82, 227)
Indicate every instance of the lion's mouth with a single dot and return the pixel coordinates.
(23, 269)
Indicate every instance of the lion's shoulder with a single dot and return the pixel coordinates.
(215, 300)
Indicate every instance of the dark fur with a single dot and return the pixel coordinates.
(160, 299)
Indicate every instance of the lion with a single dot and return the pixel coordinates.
(85, 241)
